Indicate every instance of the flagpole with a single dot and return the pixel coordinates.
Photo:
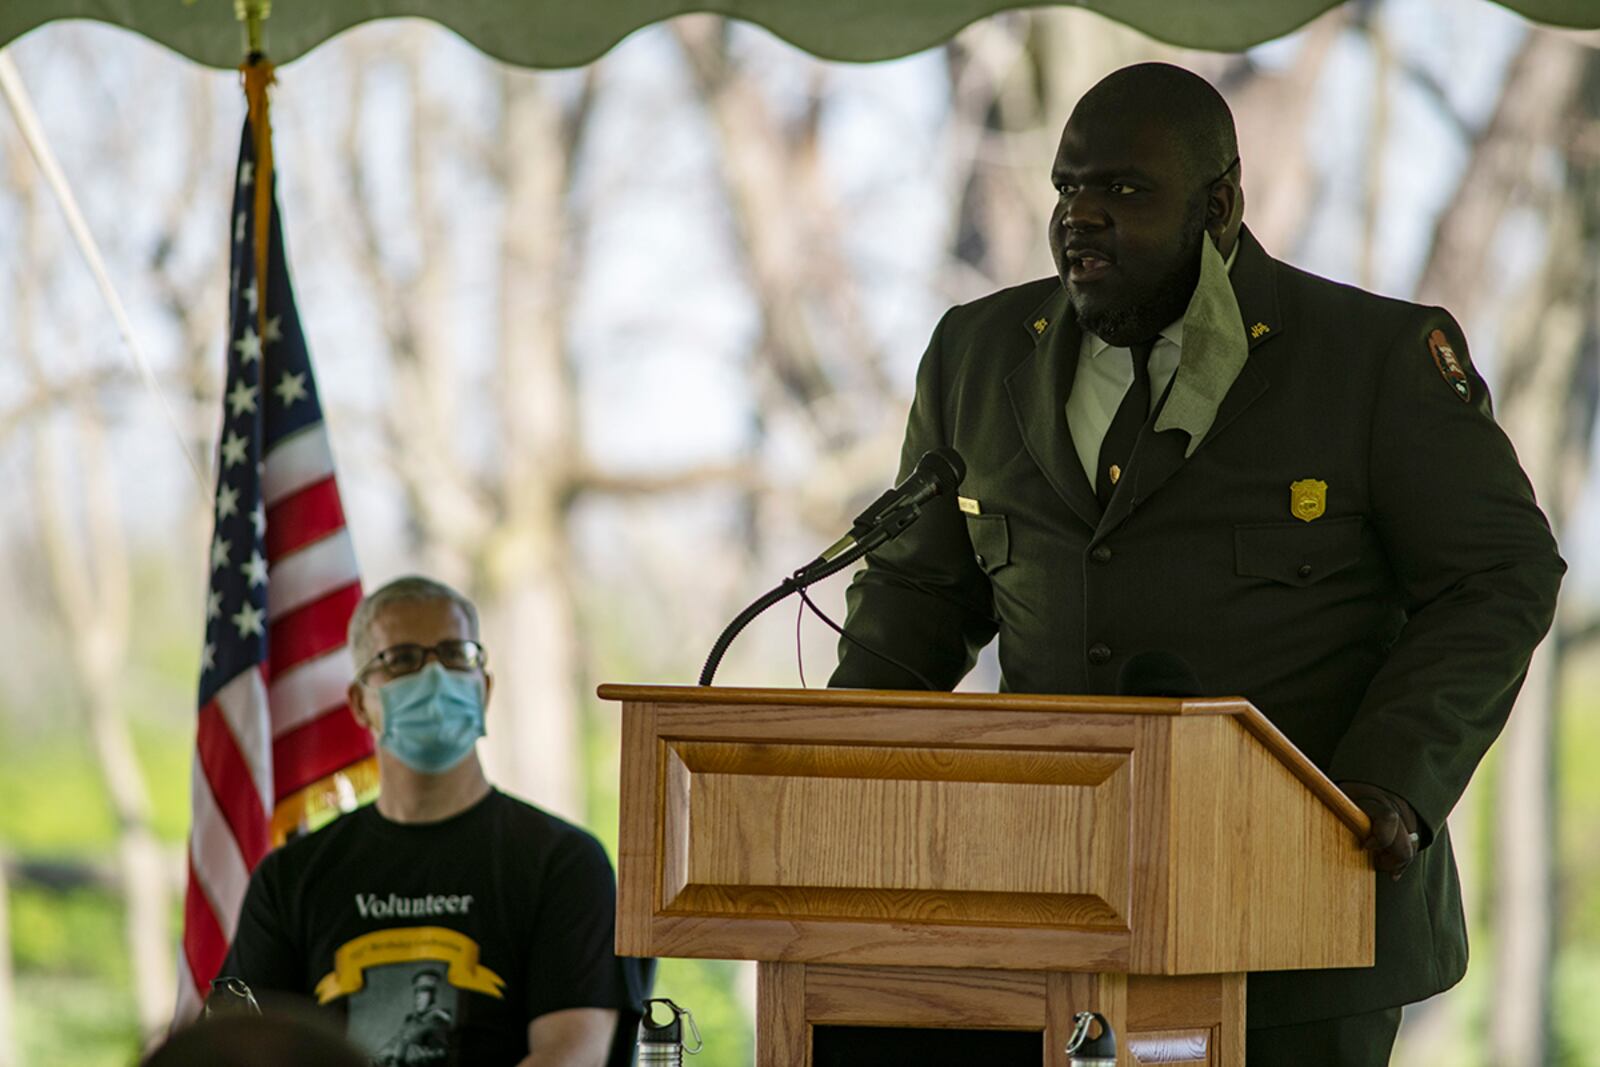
(258, 76)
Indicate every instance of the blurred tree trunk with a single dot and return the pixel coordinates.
(817, 366)
(526, 562)
(85, 547)
(1545, 400)
(497, 532)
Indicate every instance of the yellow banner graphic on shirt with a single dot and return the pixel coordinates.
(404, 945)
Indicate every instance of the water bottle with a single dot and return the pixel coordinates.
(662, 1043)
(230, 996)
(1086, 1051)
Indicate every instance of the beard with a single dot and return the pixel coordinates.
(1144, 312)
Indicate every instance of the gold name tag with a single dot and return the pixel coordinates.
(968, 505)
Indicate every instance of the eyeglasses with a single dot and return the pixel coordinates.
(1225, 172)
(398, 661)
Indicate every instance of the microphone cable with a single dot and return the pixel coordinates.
(806, 601)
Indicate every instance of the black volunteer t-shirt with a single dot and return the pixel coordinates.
(438, 943)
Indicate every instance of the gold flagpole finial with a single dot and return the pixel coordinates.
(253, 13)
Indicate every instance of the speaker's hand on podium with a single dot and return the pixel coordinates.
(1393, 840)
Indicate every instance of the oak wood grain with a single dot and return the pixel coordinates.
(1151, 836)
(783, 1035)
(890, 833)
(1230, 1032)
(941, 907)
(1251, 717)
(881, 698)
(896, 944)
(924, 997)
(638, 848)
(1034, 766)
(1168, 1002)
(1264, 875)
(931, 836)
(948, 728)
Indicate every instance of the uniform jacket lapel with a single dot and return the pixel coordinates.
(1176, 435)
(1255, 287)
(1038, 388)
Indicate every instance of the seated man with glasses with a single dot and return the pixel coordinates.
(447, 923)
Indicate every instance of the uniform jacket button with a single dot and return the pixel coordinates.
(1305, 570)
(1101, 554)
(980, 560)
(1099, 653)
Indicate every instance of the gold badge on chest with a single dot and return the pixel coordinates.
(1308, 499)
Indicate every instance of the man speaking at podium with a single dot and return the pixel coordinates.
(1181, 445)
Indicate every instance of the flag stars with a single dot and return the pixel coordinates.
(255, 569)
(247, 172)
(291, 387)
(274, 329)
(249, 346)
(220, 547)
(227, 502)
(213, 604)
(233, 450)
(208, 657)
(252, 296)
(242, 398)
(249, 619)
(258, 519)
(238, 228)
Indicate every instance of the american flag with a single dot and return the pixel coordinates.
(275, 734)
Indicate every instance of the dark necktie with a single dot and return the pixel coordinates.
(1123, 433)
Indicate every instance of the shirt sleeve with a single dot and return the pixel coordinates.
(1476, 564)
(263, 953)
(573, 962)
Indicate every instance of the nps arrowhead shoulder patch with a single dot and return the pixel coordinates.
(1444, 357)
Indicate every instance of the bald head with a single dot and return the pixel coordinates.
(1176, 103)
(1146, 170)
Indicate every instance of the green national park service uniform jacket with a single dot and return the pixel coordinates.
(1324, 519)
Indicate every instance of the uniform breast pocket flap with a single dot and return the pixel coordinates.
(1297, 553)
(991, 541)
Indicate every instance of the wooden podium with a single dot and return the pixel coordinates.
(985, 861)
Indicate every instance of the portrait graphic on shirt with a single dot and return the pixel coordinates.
(402, 987)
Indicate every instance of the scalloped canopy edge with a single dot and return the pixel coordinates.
(559, 33)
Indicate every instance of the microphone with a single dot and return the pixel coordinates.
(939, 471)
(936, 473)
(1157, 674)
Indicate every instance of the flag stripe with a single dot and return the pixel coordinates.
(314, 630)
(204, 943)
(215, 858)
(232, 786)
(310, 573)
(295, 463)
(190, 999)
(243, 704)
(318, 748)
(303, 517)
(307, 690)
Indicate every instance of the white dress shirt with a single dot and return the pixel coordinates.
(1104, 374)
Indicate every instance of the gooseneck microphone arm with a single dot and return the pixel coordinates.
(939, 471)
(793, 584)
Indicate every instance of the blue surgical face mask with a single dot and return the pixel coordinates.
(432, 718)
